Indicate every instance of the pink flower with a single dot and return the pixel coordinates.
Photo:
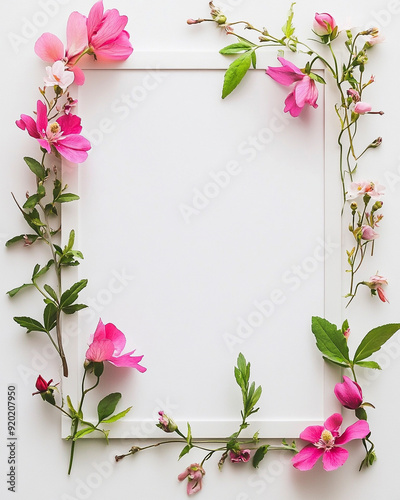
(353, 94)
(373, 189)
(106, 35)
(107, 344)
(63, 134)
(58, 75)
(375, 285)
(324, 443)
(323, 24)
(41, 385)
(241, 456)
(349, 393)
(304, 91)
(368, 234)
(195, 474)
(166, 423)
(362, 107)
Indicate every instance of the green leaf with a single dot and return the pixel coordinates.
(98, 368)
(50, 316)
(74, 308)
(369, 364)
(70, 295)
(235, 73)
(236, 48)
(31, 237)
(71, 240)
(83, 432)
(44, 270)
(189, 435)
(317, 78)
(57, 189)
(374, 340)
(71, 407)
(36, 167)
(343, 365)
(116, 417)
(32, 201)
(32, 325)
(66, 197)
(254, 59)
(330, 341)
(288, 28)
(185, 450)
(14, 291)
(107, 405)
(51, 292)
(259, 455)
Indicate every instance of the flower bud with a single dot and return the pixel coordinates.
(323, 24)
(166, 423)
(377, 206)
(362, 107)
(349, 393)
(353, 206)
(217, 14)
(41, 385)
(194, 21)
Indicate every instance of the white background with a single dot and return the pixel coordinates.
(42, 455)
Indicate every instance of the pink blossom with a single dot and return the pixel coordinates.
(323, 24)
(325, 441)
(58, 75)
(353, 94)
(377, 280)
(107, 344)
(166, 423)
(41, 384)
(194, 473)
(106, 35)
(63, 134)
(375, 284)
(241, 456)
(349, 393)
(362, 107)
(373, 189)
(304, 91)
(368, 234)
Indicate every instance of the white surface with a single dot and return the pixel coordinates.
(42, 455)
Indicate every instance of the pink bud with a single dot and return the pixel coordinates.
(349, 393)
(323, 24)
(42, 385)
(353, 94)
(241, 456)
(367, 233)
(362, 107)
(381, 294)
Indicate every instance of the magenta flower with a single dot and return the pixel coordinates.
(107, 38)
(241, 456)
(304, 91)
(361, 108)
(41, 385)
(349, 393)
(63, 134)
(368, 234)
(194, 473)
(323, 24)
(107, 344)
(324, 443)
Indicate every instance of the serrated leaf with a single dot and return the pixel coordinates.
(35, 167)
(374, 340)
(66, 197)
(185, 450)
(235, 48)
(288, 28)
(83, 432)
(107, 405)
(116, 417)
(259, 455)
(330, 341)
(369, 364)
(14, 291)
(235, 73)
(32, 325)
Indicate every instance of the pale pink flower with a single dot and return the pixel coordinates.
(107, 37)
(323, 24)
(304, 91)
(362, 107)
(59, 75)
(241, 456)
(368, 234)
(62, 134)
(373, 189)
(107, 344)
(349, 393)
(325, 442)
(374, 40)
(375, 284)
(194, 473)
(353, 94)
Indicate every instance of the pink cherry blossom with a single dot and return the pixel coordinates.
(107, 37)
(58, 75)
(373, 189)
(241, 456)
(304, 90)
(323, 24)
(107, 344)
(194, 473)
(368, 234)
(361, 108)
(349, 393)
(325, 442)
(62, 134)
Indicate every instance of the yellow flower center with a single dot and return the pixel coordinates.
(326, 436)
(55, 128)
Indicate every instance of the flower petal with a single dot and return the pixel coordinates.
(94, 18)
(49, 47)
(28, 123)
(118, 50)
(127, 360)
(110, 28)
(307, 457)
(358, 430)
(334, 422)
(116, 337)
(77, 37)
(288, 74)
(100, 350)
(312, 433)
(41, 119)
(334, 458)
(72, 153)
(70, 124)
(79, 75)
(291, 106)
